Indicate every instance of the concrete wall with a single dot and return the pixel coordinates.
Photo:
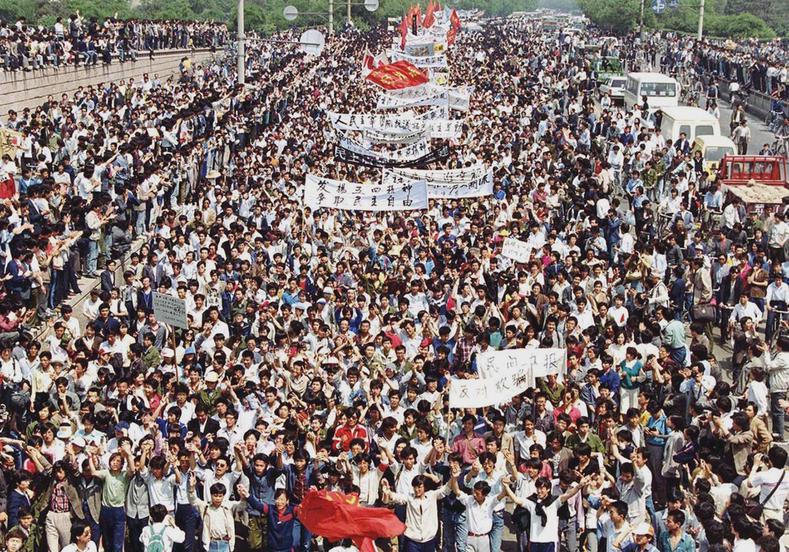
(30, 89)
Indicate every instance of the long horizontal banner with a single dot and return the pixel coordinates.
(479, 186)
(393, 136)
(446, 176)
(396, 125)
(455, 98)
(357, 158)
(338, 194)
(403, 155)
(422, 62)
(504, 374)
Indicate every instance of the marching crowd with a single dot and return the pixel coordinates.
(78, 40)
(322, 345)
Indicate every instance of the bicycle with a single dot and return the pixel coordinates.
(780, 146)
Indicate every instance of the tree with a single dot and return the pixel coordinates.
(621, 16)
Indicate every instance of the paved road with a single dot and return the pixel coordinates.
(760, 135)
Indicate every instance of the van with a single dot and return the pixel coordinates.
(693, 121)
(712, 149)
(660, 90)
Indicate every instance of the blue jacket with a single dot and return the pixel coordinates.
(15, 501)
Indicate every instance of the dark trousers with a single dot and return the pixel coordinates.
(135, 530)
(186, 518)
(113, 528)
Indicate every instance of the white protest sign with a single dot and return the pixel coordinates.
(456, 99)
(409, 153)
(338, 194)
(170, 310)
(445, 176)
(504, 374)
(517, 250)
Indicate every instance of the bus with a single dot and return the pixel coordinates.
(660, 90)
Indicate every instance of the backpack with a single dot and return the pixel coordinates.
(156, 542)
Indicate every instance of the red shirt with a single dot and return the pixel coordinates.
(345, 434)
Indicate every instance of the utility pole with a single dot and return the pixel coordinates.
(641, 20)
(349, 12)
(241, 61)
(331, 17)
(701, 21)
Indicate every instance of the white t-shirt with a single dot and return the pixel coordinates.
(766, 481)
(169, 536)
(550, 531)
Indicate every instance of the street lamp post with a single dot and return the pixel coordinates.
(701, 21)
(241, 60)
(290, 13)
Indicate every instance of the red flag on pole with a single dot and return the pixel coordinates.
(429, 15)
(336, 516)
(398, 75)
(454, 27)
(403, 32)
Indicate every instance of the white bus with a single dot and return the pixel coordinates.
(660, 90)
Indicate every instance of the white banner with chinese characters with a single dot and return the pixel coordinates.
(400, 128)
(457, 98)
(338, 194)
(517, 250)
(423, 62)
(476, 183)
(409, 153)
(504, 374)
(446, 176)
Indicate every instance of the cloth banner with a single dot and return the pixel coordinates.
(356, 158)
(336, 516)
(477, 186)
(421, 62)
(397, 75)
(393, 136)
(504, 374)
(456, 98)
(398, 125)
(517, 250)
(446, 176)
(420, 49)
(403, 155)
(338, 194)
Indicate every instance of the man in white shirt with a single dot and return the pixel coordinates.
(421, 517)
(772, 482)
(479, 511)
(744, 308)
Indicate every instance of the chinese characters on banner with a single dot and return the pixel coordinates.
(170, 310)
(423, 62)
(432, 123)
(338, 194)
(457, 98)
(370, 159)
(517, 250)
(504, 374)
(475, 184)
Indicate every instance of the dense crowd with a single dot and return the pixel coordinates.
(322, 345)
(77, 40)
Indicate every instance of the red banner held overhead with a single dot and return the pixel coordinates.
(336, 516)
(398, 75)
(429, 15)
(454, 27)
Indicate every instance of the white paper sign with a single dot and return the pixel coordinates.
(457, 100)
(338, 194)
(169, 310)
(517, 250)
(446, 176)
(504, 374)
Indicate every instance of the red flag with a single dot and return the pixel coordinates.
(403, 32)
(454, 27)
(429, 15)
(336, 516)
(397, 75)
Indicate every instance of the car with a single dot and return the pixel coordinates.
(615, 86)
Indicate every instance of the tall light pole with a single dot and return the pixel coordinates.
(701, 21)
(241, 60)
(641, 21)
(349, 12)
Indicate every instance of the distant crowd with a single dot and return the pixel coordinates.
(76, 40)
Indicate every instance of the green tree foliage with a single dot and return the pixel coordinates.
(722, 18)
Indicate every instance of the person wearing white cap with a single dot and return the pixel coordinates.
(643, 539)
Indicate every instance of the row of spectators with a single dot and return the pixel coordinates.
(78, 40)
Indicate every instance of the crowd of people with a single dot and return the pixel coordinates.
(78, 40)
(322, 345)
